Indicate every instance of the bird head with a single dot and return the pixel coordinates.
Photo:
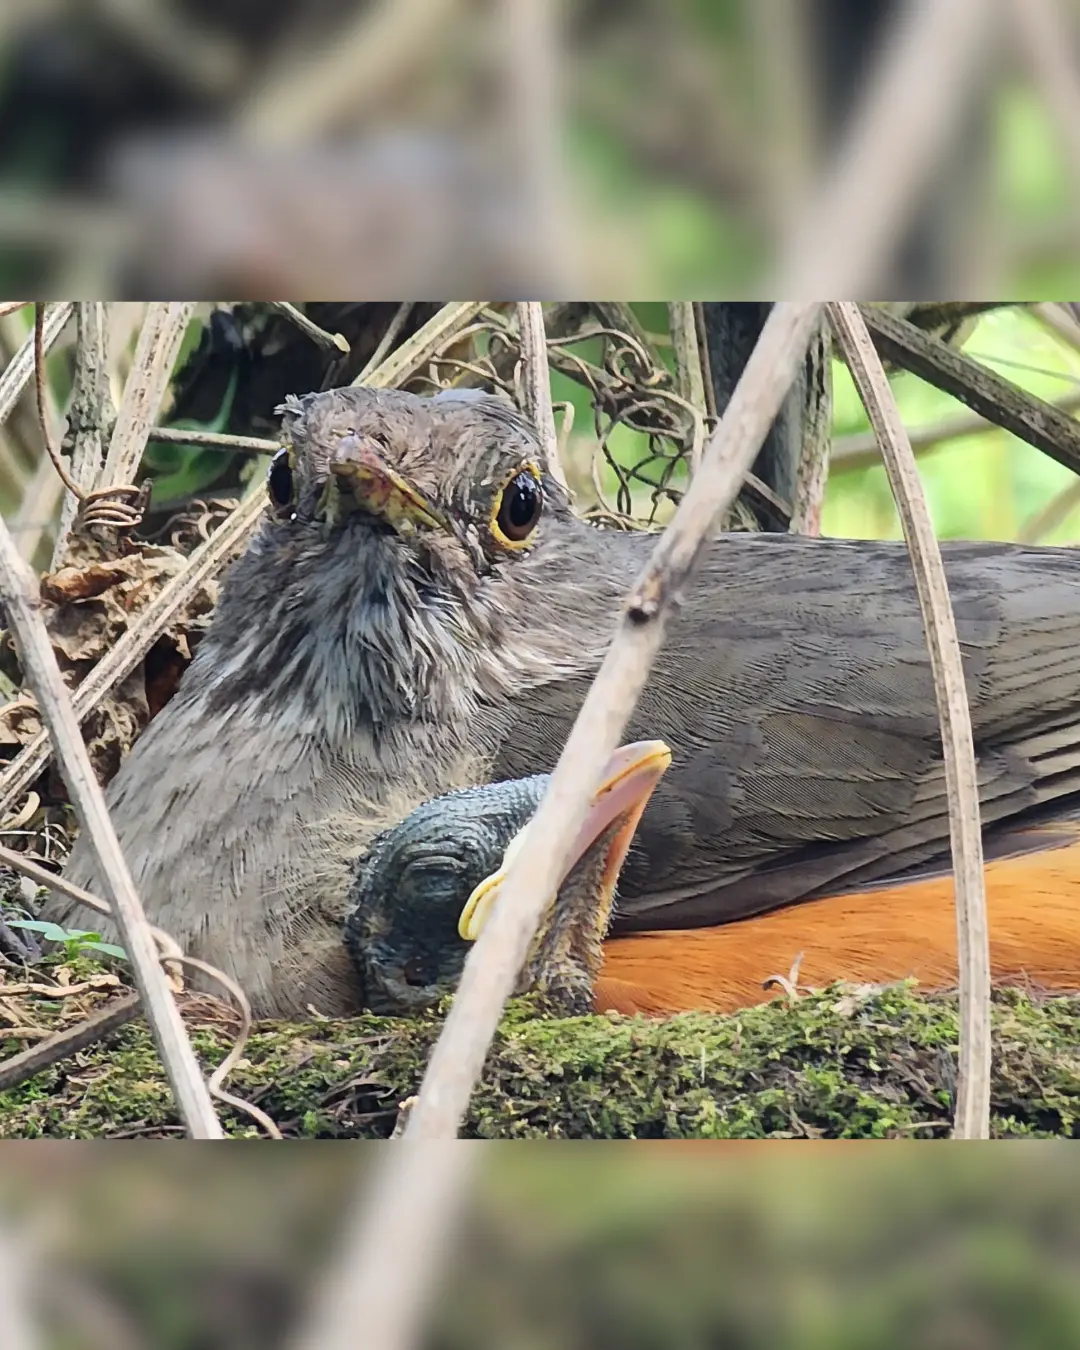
(460, 479)
(395, 554)
(428, 886)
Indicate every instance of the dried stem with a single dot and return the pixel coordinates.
(973, 1080)
(1056, 511)
(414, 354)
(91, 413)
(537, 379)
(18, 589)
(393, 332)
(214, 440)
(20, 368)
(18, 1068)
(1041, 424)
(147, 384)
(43, 410)
(859, 450)
(333, 342)
(689, 372)
(812, 472)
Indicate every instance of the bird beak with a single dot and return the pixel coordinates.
(362, 474)
(632, 773)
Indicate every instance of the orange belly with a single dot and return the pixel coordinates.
(879, 936)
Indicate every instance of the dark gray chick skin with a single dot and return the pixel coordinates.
(410, 890)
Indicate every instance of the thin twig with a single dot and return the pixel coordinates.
(1042, 424)
(493, 964)
(90, 416)
(972, 1120)
(425, 343)
(1056, 511)
(60, 1046)
(333, 342)
(44, 419)
(928, 71)
(147, 384)
(214, 440)
(537, 382)
(1060, 321)
(18, 589)
(689, 372)
(812, 471)
(859, 450)
(20, 368)
(393, 332)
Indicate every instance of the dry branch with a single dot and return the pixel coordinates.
(859, 450)
(90, 415)
(689, 371)
(424, 344)
(21, 367)
(18, 1068)
(812, 471)
(1041, 424)
(537, 381)
(393, 332)
(333, 342)
(18, 589)
(147, 383)
(973, 1081)
(214, 440)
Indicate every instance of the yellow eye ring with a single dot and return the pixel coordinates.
(518, 508)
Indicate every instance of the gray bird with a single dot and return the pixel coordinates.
(421, 611)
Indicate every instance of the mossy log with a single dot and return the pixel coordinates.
(844, 1062)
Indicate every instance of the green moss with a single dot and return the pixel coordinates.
(842, 1063)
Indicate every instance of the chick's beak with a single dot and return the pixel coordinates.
(364, 479)
(631, 776)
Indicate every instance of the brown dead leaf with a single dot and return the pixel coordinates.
(83, 583)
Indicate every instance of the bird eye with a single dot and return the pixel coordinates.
(519, 508)
(279, 481)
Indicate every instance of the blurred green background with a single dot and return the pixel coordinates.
(572, 1247)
